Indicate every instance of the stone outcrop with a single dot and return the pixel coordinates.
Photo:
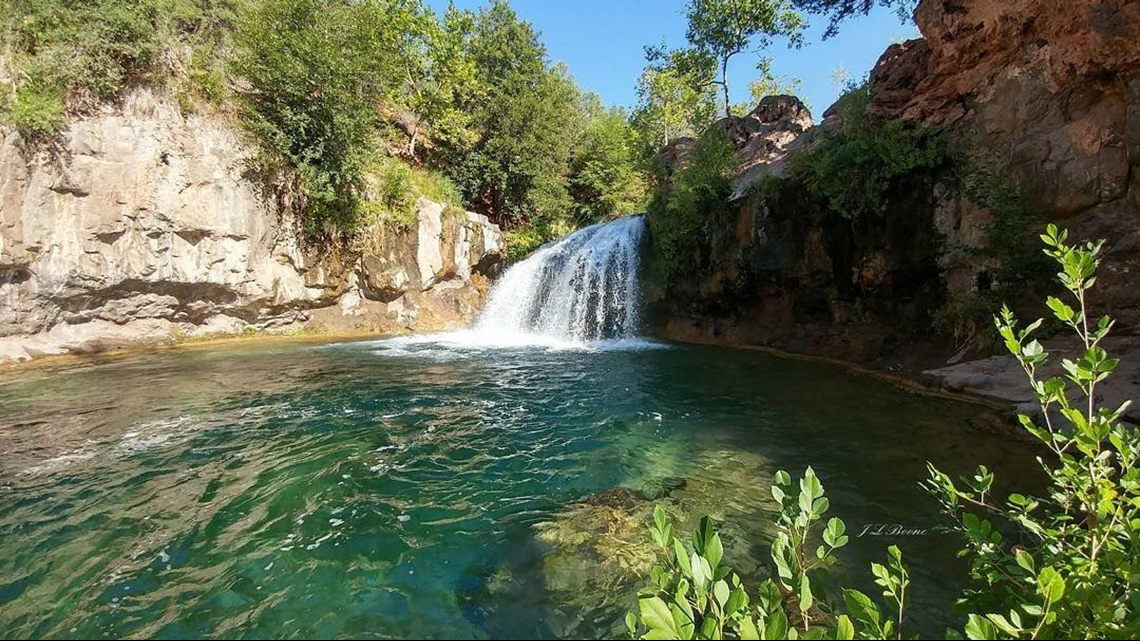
(765, 137)
(781, 270)
(146, 224)
(1048, 93)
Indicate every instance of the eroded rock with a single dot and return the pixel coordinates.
(143, 213)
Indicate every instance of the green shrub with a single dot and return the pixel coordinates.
(1073, 573)
(1069, 573)
(853, 169)
(524, 239)
(76, 53)
(394, 188)
(36, 110)
(683, 204)
(694, 595)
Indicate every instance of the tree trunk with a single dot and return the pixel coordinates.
(412, 142)
(724, 83)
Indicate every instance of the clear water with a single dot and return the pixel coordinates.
(409, 488)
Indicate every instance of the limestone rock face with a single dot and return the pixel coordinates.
(143, 224)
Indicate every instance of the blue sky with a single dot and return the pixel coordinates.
(602, 41)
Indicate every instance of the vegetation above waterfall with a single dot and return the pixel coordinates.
(853, 169)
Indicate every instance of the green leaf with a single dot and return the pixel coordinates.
(656, 616)
(683, 618)
(834, 534)
(682, 558)
(979, 628)
(737, 599)
(702, 573)
(721, 593)
(865, 612)
(1050, 585)
(777, 626)
(1004, 625)
(844, 630)
(1023, 558)
(805, 593)
(770, 596)
(783, 556)
(748, 631)
(631, 623)
(714, 550)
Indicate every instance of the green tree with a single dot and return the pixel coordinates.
(439, 72)
(719, 30)
(605, 180)
(526, 119)
(840, 10)
(318, 71)
(671, 105)
(769, 85)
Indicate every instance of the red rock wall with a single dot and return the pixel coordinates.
(1046, 90)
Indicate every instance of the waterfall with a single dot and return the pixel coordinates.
(582, 288)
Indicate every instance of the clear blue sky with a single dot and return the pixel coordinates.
(602, 41)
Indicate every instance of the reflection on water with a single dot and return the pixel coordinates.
(415, 488)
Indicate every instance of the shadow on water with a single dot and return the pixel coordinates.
(411, 488)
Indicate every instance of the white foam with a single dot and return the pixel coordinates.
(467, 343)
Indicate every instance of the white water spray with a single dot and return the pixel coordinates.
(582, 288)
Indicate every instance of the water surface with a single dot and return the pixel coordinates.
(407, 488)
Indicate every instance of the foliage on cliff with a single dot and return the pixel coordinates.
(685, 201)
(854, 169)
(331, 89)
(1059, 566)
(67, 56)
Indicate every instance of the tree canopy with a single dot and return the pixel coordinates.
(840, 10)
(719, 30)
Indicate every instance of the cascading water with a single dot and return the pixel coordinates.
(582, 288)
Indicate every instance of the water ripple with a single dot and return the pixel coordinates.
(394, 488)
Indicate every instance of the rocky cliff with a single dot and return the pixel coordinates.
(1044, 95)
(142, 224)
(1048, 91)
(781, 269)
